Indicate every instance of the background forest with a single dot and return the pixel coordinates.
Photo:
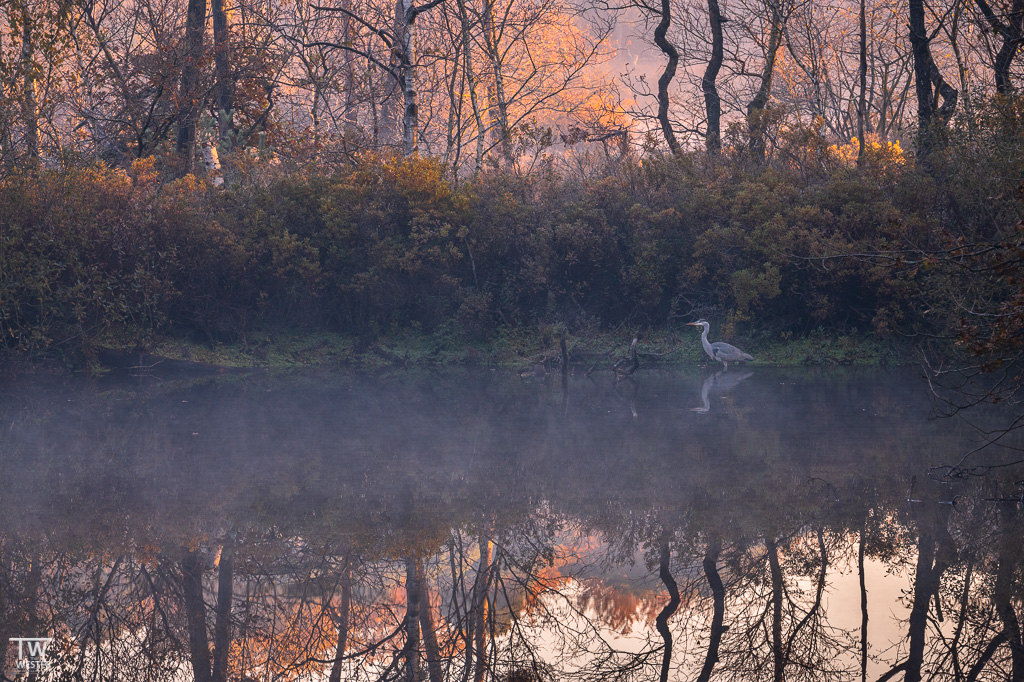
(470, 167)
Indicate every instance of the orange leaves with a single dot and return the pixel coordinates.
(603, 111)
(881, 154)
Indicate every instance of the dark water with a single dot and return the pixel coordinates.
(483, 525)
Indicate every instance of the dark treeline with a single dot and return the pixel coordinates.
(807, 241)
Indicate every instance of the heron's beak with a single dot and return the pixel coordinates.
(692, 324)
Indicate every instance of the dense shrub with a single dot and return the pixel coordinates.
(91, 255)
(78, 259)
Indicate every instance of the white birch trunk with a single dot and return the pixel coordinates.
(407, 77)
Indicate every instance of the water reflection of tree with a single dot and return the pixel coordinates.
(416, 573)
(968, 566)
(776, 627)
(288, 614)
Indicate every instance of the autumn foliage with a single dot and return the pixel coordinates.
(94, 255)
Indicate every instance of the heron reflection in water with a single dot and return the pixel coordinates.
(721, 351)
(720, 382)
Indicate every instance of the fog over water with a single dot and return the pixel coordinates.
(479, 524)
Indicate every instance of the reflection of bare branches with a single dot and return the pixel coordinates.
(670, 607)
(718, 595)
(534, 597)
(773, 614)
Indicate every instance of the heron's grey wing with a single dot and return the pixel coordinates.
(728, 352)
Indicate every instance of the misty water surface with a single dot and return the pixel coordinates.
(757, 524)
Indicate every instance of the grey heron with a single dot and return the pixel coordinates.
(723, 352)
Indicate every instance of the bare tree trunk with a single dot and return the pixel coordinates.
(926, 75)
(471, 78)
(962, 67)
(932, 547)
(224, 90)
(386, 125)
(343, 619)
(1011, 30)
(222, 624)
(1003, 592)
(30, 76)
(412, 622)
(407, 74)
(465, 624)
(498, 106)
(660, 39)
(862, 99)
(481, 591)
(405, 15)
(863, 604)
(755, 110)
(661, 622)
(429, 630)
(1011, 46)
(314, 113)
(986, 655)
(776, 575)
(718, 615)
(192, 568)
(351, 115)
(712, 100)
(189, 105)
(386, 118)
(456, 88)
(924, 585)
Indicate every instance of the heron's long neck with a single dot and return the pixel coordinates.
(707, 344)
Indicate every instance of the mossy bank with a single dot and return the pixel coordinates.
(523, 351)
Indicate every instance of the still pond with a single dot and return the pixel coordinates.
(754, 524)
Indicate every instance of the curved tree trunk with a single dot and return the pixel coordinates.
(922, 60)
(755, 110)
(661, 622)
(1011, 30)
(660, 39)
(928, 83)
(712, 100)
(718, 615)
